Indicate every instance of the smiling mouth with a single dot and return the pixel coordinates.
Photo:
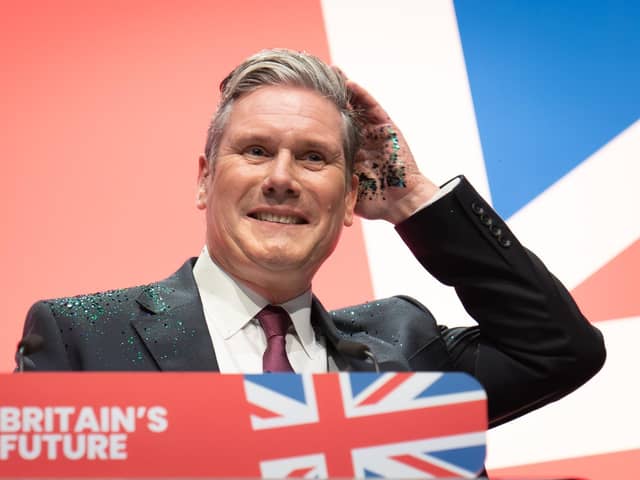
(273, 218)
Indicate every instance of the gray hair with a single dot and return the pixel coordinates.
(285, 67)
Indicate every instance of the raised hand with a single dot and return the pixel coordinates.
(390, 185)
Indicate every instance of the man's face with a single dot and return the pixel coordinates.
(276, 198)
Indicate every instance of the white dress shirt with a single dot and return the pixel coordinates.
(238, 339)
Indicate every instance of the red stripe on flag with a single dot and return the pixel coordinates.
(262, 412)
(383, 391)
(299, 472)
(612, 291)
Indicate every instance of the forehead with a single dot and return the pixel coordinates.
(294, 109)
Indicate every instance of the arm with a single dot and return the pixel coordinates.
(52, 356)
(532, 345)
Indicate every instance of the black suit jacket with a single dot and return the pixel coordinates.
(531, 346)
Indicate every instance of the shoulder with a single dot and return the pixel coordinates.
(97, 331)
(88, 315)
(402, 322)
(99, 306)
(406, 309)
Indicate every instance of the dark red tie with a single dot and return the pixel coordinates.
(275, 322)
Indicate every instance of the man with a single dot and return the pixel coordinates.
(293, 152)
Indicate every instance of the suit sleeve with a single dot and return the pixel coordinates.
(53, 354)
(532, 344)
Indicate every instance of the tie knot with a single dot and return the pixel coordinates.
(274, 320)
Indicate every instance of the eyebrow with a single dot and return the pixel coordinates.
(252, 137)
(262, 138)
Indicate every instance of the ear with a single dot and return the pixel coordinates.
(204, 178)
(351, 197)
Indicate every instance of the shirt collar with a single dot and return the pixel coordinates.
(232, 305)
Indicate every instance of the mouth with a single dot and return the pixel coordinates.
(278, 218)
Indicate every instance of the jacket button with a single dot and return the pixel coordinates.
(505, 242)
(477, 209)
(486, 220)
(495, 230)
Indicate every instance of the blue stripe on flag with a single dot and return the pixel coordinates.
(469, 458)
(288, 384)
(371, 474)
(361, 380)
(551, 82)
(454, 382)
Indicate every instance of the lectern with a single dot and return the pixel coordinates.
(393, 425)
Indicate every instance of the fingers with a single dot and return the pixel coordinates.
(362, 101)
(339, 71)
(360, 96)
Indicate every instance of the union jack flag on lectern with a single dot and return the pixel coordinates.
(330, 425)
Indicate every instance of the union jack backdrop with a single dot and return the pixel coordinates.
(537, 103)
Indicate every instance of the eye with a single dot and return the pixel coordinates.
(314, 157)
(256, 151)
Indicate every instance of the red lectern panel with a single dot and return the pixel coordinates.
(400, 425)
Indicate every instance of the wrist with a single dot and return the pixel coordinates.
(419, 195)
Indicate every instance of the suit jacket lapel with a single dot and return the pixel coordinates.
(176, 332)
(322, 323)
(387, 355)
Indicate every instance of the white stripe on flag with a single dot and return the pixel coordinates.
(409, 56)
(588, 216)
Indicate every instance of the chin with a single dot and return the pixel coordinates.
(280, 263)
(276, 259)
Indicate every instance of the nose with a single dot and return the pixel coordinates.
(280, 181)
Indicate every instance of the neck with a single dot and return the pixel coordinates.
(275, 294)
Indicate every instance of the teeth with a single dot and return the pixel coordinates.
(270, 217)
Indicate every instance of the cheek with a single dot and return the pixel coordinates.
(218, 207)
(328, 188)
(334, 209)
(335, 201)
(227, 186)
